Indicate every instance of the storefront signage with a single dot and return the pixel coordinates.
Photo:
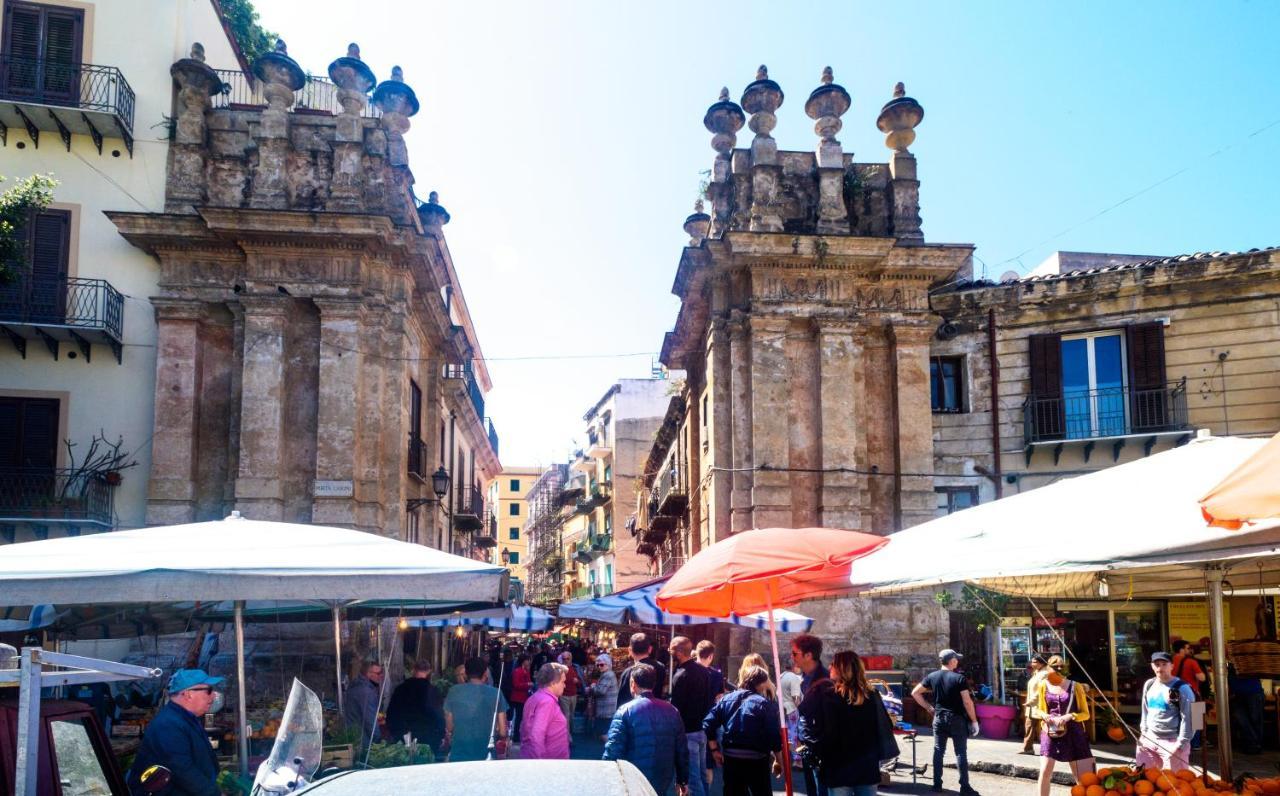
(1190, 620)
(1015, 621)
(334, 489)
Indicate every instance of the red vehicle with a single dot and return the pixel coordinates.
(75, 755)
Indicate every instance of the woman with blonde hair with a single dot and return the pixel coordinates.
(755, 659)
(1062, 707)
(840, 726)
(751, 739)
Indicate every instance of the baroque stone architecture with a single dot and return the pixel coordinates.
(804, 329)
(316, 361)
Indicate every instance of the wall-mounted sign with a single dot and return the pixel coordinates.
(334, 489)
(1015, 621)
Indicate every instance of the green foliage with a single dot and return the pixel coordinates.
(443, 684)
(253, 39)
(390, 755)
(343, 735)
(987, 606)
(17, 205)
(231, 784)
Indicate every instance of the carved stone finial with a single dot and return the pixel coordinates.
(281, 48)
(433, 215)
(898, 120)
(762, 73)
(724, 94)
(395, 96)
(723, 120)
(354, 76)
(697, 225)
(197, 52)
(827, 76)
(397, 74)
(277, 68)
(353, 50)
(697, 206)
(433, 198)
(899, 90)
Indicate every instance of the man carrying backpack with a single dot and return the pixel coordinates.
(1165, 728)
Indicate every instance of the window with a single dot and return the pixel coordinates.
(946, 383)
(41, 50)
(515, 484)
(514, 510)
(417, 463)
(79, 769)
(513, 534)
(40, 287)
(513, 556)
(608, 472)
(608, 522)
(1093, 385)
(954, 498)
(28, 434)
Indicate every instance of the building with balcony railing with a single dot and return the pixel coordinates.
(544, 502)
(509, 509)
(81, 87)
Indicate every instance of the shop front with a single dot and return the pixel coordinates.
(1111, 641)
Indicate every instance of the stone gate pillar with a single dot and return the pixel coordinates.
(770, 401)
(916, 501)
(740, 417)
(171, 496)
(840, 368)
(338, 423)
(259, 488)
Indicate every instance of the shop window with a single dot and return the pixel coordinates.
(955, 498)
(946, 384)
(513, 534)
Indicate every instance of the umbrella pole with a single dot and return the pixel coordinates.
(1218, 642)
(782, 716)
(337, 654)
(242, 733)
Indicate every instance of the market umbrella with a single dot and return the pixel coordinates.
(638, 605)
(763, 570)
(1249, 493)
(512, 617)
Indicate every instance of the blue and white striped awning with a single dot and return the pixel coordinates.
(638, 606)
(515, 618)
(20, 619)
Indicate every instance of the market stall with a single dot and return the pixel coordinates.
(240, 560)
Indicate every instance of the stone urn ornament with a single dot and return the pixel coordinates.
(697, 225)
(277, 68)
(826, 104)
(350, 73)
(193, 73)
(723, 120)
(394, 96)
(432, 213)
(898, 120)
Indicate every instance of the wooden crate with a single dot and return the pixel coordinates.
(338, 756)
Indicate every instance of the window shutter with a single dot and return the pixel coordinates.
(28, 433)
(62, 54)
(1144, 343)
(50, 246)
(1048, 417)
(10, 436)
(21, 48)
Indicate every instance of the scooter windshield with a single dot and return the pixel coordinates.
(296, 754)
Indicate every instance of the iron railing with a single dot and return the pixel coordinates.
(318, 94)
(673, 497)
(417, 457)
(593, 590)
(83, 303)
(55, 495)
(469, 501)
(493, 435)
(1107, 412)
(86, 87)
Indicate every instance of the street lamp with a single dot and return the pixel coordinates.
(439, 485)
(506, 557)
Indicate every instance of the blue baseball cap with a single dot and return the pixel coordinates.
(190, 678)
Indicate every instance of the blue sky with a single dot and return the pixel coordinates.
(566, 140)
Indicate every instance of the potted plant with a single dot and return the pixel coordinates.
(995, 718)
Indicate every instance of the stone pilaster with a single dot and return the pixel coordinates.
(720, 427)
(337, 424)
(431, 370)
(196, 83)
(914, 420)
(281, 76)
(371, 411)
(770, 399)
(171, 497)
(804, 426)
(839, 363)
(395, 435)
(740, 402)
(259, 487)
(693, 457)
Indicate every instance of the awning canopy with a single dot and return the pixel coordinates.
(638, 606)
(513, 618)
(26, 618)
(239, 559)
(1130, 530)
(1249, 493)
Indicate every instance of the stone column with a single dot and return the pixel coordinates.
(353, 79)
(720, 428)
(826, 105)
(761, 99)
(740, 400)
(196, 83)
(259, 485)
(916, 500)
(723, 120)
(695, 380)
(370, 411)
(171, 496)
(281, 76)
(770, 399)
(898, 120)
(337, 423)
(839, 359)
(395, 436)
(430, 518)
(804, 424)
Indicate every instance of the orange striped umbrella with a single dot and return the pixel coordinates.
(1250, 493)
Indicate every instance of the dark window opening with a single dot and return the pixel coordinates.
(955, 498)
(946, 383)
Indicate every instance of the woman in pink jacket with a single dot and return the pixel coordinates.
(545, 733)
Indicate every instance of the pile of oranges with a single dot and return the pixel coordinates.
(1126, 781)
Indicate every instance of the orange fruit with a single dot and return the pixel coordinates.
(1077, 790)
(1186, 775)
(1103, 773)
(1088, 778)
(1144, 788)
(1125, 788)
(1152, 774)
(1112, 793)
(1095, 790)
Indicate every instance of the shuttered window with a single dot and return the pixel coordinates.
(1045, 360)
(1148, 395)
(28, 433)
(41, 48)
(50, 246)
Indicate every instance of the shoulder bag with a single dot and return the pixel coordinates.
(1059, 730)
(884, 725)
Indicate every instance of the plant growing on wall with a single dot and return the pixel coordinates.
(242, 18)
(986, 606)
(17, 205)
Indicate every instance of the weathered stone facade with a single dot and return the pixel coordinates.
(315, 358)
(804, 330)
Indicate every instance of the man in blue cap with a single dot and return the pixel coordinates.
(176, 739)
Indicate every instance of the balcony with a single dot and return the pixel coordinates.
(583, 464)
(62, 310)
(673, 496)
(1115, 415)
(56, 496)
(417, 457)
(317, 96)
(464, 374)
(468, 509)
(493, 435)
(598, 446)
(65, 98)
(592, 591)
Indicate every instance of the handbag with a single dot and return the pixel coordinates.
(1059, 730)
(884, 725)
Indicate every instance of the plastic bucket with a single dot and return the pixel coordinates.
(994, 721)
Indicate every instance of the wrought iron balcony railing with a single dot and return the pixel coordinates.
(317, 95)
(78, 496)
(1103, 413)
(418, 458)
(80, 311)
(101, 94)
(673, 497)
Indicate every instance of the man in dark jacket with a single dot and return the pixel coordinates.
(362, 702)
(648, 733)
(692, 695)
(806, 652)
(416, 708)
(641, 653)
(176, 739)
